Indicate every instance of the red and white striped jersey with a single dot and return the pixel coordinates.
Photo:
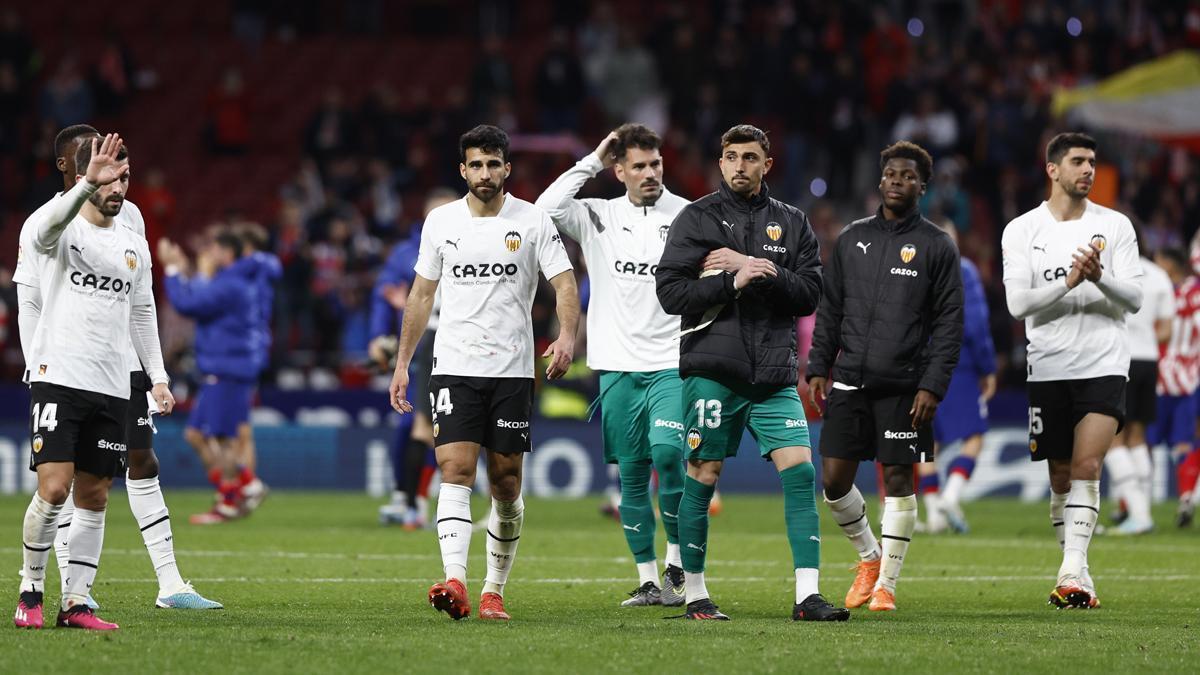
(1179, 367)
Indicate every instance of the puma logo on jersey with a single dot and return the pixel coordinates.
(1039, 248)
(453, 243)
(726, 224)
(627, 229)
(865, 246)
(76, 249)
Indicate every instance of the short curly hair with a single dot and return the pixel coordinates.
(908, 150)
(487, 138)
(633, 135)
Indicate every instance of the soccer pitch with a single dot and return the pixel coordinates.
(312, 583)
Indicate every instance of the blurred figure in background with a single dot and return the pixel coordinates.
(227, 315)
(1128, 463)
(962, 416)
(413, 460)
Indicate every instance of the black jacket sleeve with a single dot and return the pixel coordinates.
(680, 291)
(827, 333)
(797, 290)
(945, 336)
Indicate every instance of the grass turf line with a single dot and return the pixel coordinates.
(313, 583)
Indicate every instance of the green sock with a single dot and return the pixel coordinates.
(668, 460)
(693, 523)
(637, 513)
(800, 514)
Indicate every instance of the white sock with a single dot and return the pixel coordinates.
(86, 541)
(693, 586)
(1057, 502)
(61, 554)
(399, 498)
(150, 510)
(899, 519)
(850, 513)
(934, 520)
(673, 555)
(1122, 475)
(806, 582)
(37, 538)
(1080, 514)
(503, 535)
(454, 529)
(952, 491)
(1143, 468)
(648, 572)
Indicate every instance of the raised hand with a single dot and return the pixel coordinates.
(604, 151)
(104, 168)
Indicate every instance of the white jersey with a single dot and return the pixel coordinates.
(1083, 335)
(488, 268)
(628, 330)
(30, 262)
(89, 280)
(1158, 304)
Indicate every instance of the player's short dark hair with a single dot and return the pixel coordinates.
(908, 150)
(488, 138)
(1060, 145)
(746, 133)
(83, 156)
(1177, 256)
(227, 239)
(69, 134)
(253, 236)
(632, 135)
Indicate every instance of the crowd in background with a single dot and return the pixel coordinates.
(831, 82)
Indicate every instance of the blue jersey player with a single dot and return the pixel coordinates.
(962, 416)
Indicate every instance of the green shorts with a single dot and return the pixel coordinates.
(716, 413)
(639, 411)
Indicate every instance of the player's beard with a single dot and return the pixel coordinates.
(1073, 191)
(651, 198)
(484, 196)
(108, 207)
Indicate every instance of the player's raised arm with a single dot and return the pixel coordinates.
(570, 215)
(104, 167)
(562, 351)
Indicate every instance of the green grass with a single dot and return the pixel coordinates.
(311, 583)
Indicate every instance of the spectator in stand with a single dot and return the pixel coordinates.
(330, 133)
(560, 85)
(227, 127)
(67, 99)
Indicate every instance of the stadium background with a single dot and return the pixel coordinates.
(329, 122)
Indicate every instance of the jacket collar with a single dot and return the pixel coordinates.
(755, 203)
(902, 225)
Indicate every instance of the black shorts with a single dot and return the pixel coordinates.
(491, 411)
(1056, 407)
(419, 370)
(139, 428)
(1141, 396)
(72, 425)
(861, 427)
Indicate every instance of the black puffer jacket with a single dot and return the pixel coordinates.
(753, 336)
(891, 319)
